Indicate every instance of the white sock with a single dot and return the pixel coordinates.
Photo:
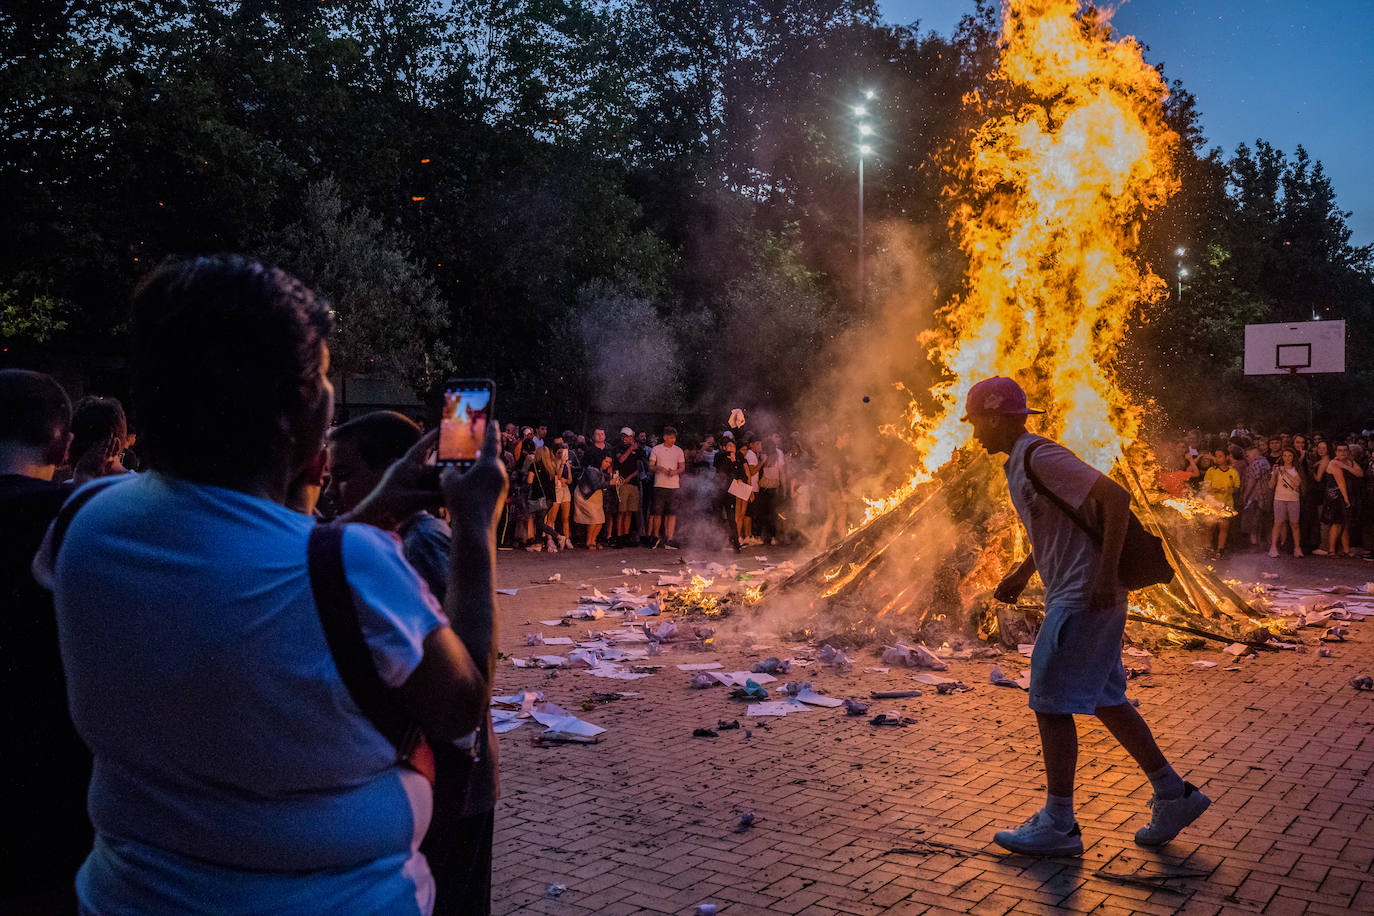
(1167, 784)
(1060, 810)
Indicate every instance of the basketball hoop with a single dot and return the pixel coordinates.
(1304, 348)
(1293, 357)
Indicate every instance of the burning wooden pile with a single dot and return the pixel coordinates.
(925, 570)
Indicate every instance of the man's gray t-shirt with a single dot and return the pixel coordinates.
(1065, 556)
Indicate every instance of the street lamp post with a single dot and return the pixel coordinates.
(861, 225)
(1182, 272)
(864, 150)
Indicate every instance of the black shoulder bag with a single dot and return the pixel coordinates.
(1143, 561)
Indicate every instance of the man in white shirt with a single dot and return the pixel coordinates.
(667, 462)
(1076, 667)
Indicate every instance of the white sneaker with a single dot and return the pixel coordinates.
(1038, 836)
(1172, 815)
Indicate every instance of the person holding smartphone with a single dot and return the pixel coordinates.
(190, 625)
(1286, 481)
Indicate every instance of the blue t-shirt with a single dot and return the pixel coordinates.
(233, 771)
(1065, 556)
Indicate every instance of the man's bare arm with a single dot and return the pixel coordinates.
(1014, 583)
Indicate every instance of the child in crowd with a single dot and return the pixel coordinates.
(1219, 485)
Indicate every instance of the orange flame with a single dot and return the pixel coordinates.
(1048, 202)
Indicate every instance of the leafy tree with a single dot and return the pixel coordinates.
(388, 314)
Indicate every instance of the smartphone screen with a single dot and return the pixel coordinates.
(463, 422)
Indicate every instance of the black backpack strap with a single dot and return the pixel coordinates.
(344, 634)
(1040, 487)
(74, 503)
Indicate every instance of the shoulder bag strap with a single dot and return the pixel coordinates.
(344, 634)
(63, 521)
(1042, 489)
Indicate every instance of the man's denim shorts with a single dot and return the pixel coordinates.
(1076, 666)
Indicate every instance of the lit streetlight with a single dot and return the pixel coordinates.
(1182, 271)
(865, 130)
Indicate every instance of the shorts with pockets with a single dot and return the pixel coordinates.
(665, 501)
(1076, 666)
(628, 496)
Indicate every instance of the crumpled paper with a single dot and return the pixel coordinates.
(853, 707)
(909, 656)
(829, 655)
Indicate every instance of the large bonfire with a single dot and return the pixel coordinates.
(1072, 154)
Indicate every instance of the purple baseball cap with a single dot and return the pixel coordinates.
(996, 395)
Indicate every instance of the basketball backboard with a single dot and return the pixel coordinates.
(1303, 347)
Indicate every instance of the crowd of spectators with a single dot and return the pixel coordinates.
(1307, 493)
(659, 489)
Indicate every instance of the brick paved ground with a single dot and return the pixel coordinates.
(853, 818)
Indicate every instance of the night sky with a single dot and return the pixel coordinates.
(1287, 71)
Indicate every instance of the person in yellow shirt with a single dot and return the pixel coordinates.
(1219, 486)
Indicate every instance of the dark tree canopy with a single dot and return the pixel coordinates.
(589, 201)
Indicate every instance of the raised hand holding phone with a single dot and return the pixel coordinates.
(464, 420)
(475, 495)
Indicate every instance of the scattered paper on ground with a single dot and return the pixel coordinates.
(701, 666)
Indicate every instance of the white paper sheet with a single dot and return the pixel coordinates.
(551, 715)
(558, 640)
(775, 708)
(738, 678)
(586, 612)
(507, 591)
(812, 698)
(505, 720)
(616, 672)
(701, 666)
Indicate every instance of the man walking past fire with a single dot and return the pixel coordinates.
(1076, 666)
